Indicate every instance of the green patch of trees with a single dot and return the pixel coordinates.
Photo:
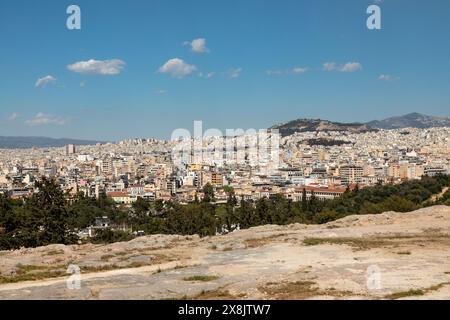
(51, 216)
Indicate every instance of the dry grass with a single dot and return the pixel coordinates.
(33, 272)
(259, 242)
(298, 290)
(403, 294)
(218, 294)
(355, 243)
(121, 253)
(32, 276)
(202, 278)
(415, 292)
(107, 257)
(23, 268)
(54, 252)
(380, 241)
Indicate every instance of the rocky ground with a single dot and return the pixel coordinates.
(385, 256)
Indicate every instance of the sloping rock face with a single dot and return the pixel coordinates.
(386, 256)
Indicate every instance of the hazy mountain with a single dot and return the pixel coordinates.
(306, 125)
(411, 120)
(40, 142)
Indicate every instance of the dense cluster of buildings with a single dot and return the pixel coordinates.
(145, 168)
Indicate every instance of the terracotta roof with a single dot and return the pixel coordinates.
(117, 194)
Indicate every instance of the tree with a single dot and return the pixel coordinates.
(208, 191)
(141, 210)
(49, 205)
(245, 214)
(110, 236)
(325, 216)
(304, 201)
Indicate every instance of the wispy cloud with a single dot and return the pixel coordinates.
(99, 67)
(13, 116)
(347, 67)
(45, 119)
(177, 68)
(197, 45)
(295, 70)
(329, 66)
(299, 70)
(42, 82)
(234, 73)
(387, 77)
(161, 92)
(207, 75)
(351, 67)
(274, 72)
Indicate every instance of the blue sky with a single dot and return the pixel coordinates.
(261, 62)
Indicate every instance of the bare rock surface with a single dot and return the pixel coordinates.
(385, 256)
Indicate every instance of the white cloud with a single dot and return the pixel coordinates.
(13, 116)
(208, 75)
(274, 72)
(329, 66)
(295, 70)
(198, 45)
(234, 73)
(299, 70)
(45, 119)
(105, 67)
(161, 92)
(387, 77)
(348, 67)
(177, 68)
(351, 67)
(42, 82)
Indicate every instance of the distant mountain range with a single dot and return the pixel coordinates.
(411, 120)
(40, 142)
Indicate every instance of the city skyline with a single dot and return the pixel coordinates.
(145, 69)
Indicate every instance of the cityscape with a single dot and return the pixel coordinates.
(252, 152)
(323, 163)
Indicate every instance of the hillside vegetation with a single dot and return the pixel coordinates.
(50, 216)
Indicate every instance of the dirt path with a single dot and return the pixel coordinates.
(439, 195)
(95, 275)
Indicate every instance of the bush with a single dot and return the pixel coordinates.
(110, 236)
(325, 216)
